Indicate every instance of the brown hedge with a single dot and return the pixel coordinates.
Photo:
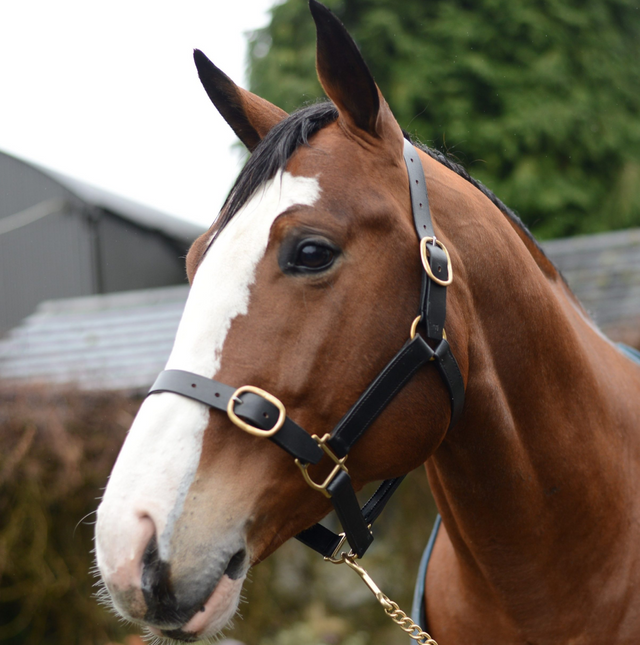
(57, 449)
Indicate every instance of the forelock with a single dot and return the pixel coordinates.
(273, 153)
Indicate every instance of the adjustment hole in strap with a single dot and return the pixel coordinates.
(193, 385)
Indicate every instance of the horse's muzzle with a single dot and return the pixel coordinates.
(170, 606)
(181, 599)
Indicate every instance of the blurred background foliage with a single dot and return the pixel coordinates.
(539, 100)
(58, 448)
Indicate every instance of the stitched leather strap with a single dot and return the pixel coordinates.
(253, 408)
(433, 301)
(325, 541)
(450, 372)
(378, 395)
(394, 376)
(418, 190)
(345, 503)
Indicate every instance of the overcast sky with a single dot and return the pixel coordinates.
(107, 92)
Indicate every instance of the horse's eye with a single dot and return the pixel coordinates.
(313, 256)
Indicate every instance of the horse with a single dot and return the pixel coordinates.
(303, 294)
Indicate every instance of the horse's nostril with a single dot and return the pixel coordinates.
(156, 583)
(236, 565)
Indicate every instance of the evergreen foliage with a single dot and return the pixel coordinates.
(540, 100)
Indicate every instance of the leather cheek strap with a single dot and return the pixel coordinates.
(379, 394)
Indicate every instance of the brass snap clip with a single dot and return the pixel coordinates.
(339, 465)
(256, 432)
(425, 261)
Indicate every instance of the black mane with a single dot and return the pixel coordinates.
(274, 151)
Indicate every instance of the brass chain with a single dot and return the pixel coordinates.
(406, 624)
(390, 608)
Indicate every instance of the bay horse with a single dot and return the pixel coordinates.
(305, 289)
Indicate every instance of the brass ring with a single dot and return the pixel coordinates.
(256, 432)
(425, 262)
(414, 326)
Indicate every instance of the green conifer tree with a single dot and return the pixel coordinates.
(540, 100)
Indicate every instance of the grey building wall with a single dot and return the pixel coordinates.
(60, 238)
(132, 258)
(23, 186)
(50, 258)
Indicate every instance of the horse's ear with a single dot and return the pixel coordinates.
(250, 116)
(344, 75)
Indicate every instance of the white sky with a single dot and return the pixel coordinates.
(107, 92)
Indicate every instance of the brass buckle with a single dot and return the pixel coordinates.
(425, 261)
(339, 465)
(256, 432)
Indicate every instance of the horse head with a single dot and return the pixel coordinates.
(305, 287)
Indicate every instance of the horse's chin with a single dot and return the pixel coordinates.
(214, 616)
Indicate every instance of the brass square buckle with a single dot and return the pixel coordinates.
(256, 432)
(425, 261)
(339, 465)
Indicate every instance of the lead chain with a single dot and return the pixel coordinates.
(407, 625)
(390, 608)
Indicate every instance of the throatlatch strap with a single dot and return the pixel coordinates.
(345, 502)
(450, 373)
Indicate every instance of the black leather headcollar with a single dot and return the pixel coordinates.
(256, 413)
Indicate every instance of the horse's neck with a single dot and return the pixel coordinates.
(546, 457)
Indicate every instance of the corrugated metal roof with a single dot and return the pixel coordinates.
(604, 272)
(112, 342)
(122, 341)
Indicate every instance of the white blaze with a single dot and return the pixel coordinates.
(160, 456)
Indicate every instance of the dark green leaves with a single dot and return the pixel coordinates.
(540, 100)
